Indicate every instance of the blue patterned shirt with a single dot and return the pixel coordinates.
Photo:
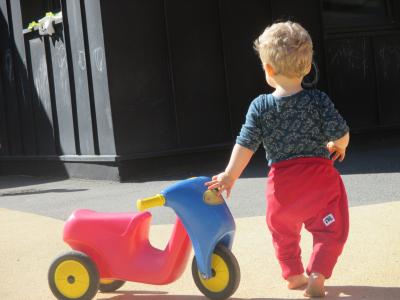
(299, 125)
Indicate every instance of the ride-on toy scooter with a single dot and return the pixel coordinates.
(111, 248)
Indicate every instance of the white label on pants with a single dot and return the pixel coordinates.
(328, 220)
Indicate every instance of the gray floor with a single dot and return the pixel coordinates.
(371, 173)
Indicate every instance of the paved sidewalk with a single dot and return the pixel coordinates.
(369, 268)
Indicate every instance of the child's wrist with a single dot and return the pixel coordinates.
(229, 174)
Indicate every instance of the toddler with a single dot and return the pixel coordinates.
(303, 135)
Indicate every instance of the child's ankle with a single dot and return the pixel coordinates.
(315, 287)
(316, 276)
(296, 281)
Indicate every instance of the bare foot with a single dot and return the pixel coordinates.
(296, 281)
(315, 287)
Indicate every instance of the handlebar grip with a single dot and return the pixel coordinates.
(146, 203)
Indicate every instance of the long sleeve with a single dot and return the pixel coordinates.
(250, 135)
(333, 125)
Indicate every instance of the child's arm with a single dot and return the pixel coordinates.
(248, 141)
(224, 181)
(334, 127)
(338, 147)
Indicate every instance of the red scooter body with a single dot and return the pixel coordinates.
(119, 245)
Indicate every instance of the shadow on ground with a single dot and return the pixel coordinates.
(333, 292)
(39, 191)
(16, 181)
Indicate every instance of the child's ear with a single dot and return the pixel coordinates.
(269, 69)
(308, 69)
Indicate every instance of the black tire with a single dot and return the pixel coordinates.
(234, 275)
(111, 287)
(84, 263)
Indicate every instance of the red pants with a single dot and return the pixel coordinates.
(307, 191)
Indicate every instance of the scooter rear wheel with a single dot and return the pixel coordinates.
(108, 286)
(226, 275)
(73, 275)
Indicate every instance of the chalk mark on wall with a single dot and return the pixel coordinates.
(99, 58)
(82, 60)
(42, 86)
(61, 55)
(350, 56)
(390, 57)
(8, 62)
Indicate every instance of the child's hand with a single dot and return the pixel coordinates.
(223, 182)
(338, 152)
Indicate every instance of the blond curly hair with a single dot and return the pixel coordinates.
(287, 47)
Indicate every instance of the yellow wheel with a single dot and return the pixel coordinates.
(73, 276)
(225, 275)
(109, 285)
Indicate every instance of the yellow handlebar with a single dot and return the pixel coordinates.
(146, 203)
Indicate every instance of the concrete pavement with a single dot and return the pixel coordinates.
(369, 268)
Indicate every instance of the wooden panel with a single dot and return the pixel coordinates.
(42, 106)
(245, 76)
(3, 109)
(387, 57)
(139, 76)
(3, 121)
(62, 93)
(22, 81)
(198, 68)
(351, 80)
(9, 83)
(99, 76)
(73, 17)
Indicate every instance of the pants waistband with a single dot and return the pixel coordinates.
(302, 160)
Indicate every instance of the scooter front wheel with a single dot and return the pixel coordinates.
(226, 275)
(73, 275)
(108, 286)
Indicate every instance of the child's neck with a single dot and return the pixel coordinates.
(287, 86)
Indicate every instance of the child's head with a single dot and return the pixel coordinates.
(286, 49)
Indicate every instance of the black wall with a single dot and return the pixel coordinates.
(363, 73)
(182, 74)
(149, 78)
